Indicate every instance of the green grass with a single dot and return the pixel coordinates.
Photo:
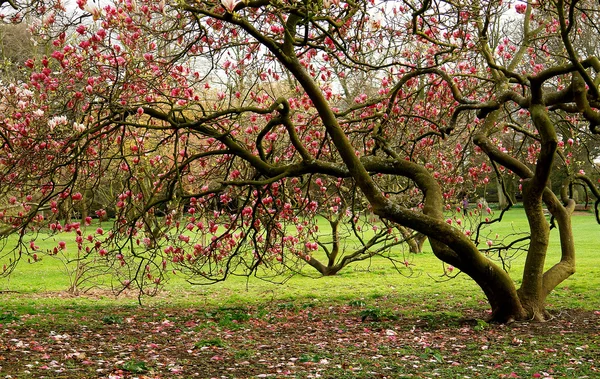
(365, 280)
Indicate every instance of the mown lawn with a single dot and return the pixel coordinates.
(368, 322)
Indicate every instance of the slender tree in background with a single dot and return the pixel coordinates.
(230, 129)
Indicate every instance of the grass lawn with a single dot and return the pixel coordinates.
(367, 322)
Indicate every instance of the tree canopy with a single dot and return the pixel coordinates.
(217, 134)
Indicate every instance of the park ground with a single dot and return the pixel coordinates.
(372, 338)
(369, 321)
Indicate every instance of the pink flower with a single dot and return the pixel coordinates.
(81, 29)
(489, 243)
(229, 5)
(99, 231)
(312, 246)
(59, 56)
(101, 33)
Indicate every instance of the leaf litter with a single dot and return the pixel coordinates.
(304, 341)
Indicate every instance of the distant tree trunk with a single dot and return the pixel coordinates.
(502, 200)
(84, 206)
(414, 240)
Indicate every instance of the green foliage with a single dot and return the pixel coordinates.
(376, 314)
(480, 326)
(288, 306)
(357, 303)
(237, 314)
(435, 320)
(111, 319)
(211, 342)
(310, 358)
(244, 354)
(135, 367)
(434, 354)
(8, 317)
(229, 317)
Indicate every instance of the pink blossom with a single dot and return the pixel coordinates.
(229, 5)
(101, 33)
(520, 8)
(59, 56)
(311, 246)
(81, 29)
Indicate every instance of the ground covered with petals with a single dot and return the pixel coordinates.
(306, 339)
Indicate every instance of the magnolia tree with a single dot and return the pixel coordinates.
(230, 131)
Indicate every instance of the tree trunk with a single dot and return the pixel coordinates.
(502, 200)
(414, 240)
(322, 269)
